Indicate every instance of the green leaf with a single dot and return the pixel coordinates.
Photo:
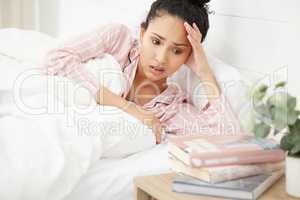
(291, 142)
(258, 96)
(282, 117)
(262, 130)
(278, 99)
(259, 93)
(295, 139)
(296, 149)
(282, 100)
(295, 128)
(263, 88)
(286, 142)
(291, 102)
(292, 116)
(262, 112)
(280, 84)
(279, 117)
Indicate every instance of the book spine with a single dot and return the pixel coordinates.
(275, 156)
(241, 171)
(240, 153)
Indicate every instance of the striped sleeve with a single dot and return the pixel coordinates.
(67, 59)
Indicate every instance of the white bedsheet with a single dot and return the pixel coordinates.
(118, 175)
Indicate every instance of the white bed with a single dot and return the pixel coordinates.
(46, 137)
(111, 179)
(46, 144)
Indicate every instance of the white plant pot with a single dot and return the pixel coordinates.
(292, 176)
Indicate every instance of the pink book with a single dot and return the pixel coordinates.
(203, 151)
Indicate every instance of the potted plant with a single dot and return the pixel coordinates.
(275, 112)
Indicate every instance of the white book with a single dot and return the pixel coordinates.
(224, 173)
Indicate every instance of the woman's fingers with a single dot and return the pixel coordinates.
(191, 40)
(156, 126)
(193, 32)
(157, 130)
(194, 42)
(198, 31)
(189, 29)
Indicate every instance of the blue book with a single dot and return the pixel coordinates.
(249, 188)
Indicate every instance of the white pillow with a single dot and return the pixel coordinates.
(20, 50)
(229, 79)
(25, 45)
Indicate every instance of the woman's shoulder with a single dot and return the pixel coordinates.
(119, 40)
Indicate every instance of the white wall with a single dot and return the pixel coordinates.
(259, 36)
(78, 15)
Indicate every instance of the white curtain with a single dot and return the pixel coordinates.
(40, 15)
(19, 13)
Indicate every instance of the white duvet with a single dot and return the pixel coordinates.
(42, 158)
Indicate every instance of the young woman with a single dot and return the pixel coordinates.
(170, 37)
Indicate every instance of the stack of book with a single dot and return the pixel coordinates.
(240, 167)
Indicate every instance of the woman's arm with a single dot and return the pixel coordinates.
(199, 64)
(217, 108)
(106, 97)
(208, 80)
(67, 60)
(114, 39)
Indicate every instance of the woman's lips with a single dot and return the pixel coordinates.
(157, 70)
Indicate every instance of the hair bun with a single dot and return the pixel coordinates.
(199, 3)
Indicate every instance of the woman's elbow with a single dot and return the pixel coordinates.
(58, 60)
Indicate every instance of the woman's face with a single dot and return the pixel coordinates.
(164, 47)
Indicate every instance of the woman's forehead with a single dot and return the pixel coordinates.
(169, 27)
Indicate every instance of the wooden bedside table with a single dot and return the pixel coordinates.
(159, 187)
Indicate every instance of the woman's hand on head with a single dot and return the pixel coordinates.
(199, 64)
(197, 60)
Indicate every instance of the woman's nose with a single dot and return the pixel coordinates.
(161, 56)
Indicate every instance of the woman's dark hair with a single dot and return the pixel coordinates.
(188, 10)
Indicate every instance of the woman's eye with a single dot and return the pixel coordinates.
(155, 41)
(177, 51)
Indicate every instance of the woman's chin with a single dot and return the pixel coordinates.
(153, 77)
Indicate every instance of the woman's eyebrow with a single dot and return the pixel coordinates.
(162, 38)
